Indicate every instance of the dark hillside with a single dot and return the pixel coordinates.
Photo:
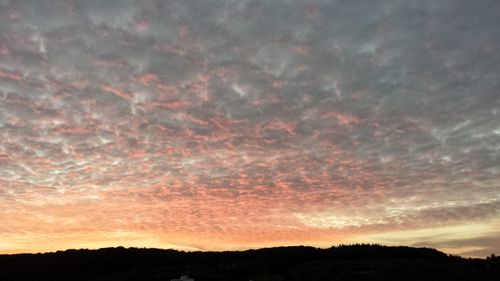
(354, 262)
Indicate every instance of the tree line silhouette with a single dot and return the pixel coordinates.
(344, 262)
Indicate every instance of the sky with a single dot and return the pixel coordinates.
(236, 124)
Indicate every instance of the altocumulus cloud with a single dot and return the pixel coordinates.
(233, 124)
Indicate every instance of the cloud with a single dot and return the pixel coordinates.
(274, 119)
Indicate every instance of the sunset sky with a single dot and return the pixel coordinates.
(236, 124)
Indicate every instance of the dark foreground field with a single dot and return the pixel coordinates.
(356, 262)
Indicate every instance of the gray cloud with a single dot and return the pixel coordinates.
(311, 107)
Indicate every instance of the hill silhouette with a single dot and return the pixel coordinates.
(353, 262)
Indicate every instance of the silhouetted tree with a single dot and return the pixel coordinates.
(343, 262)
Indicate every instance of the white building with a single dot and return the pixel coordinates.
(183, 278)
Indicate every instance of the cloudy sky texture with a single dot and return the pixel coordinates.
(234, 124)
